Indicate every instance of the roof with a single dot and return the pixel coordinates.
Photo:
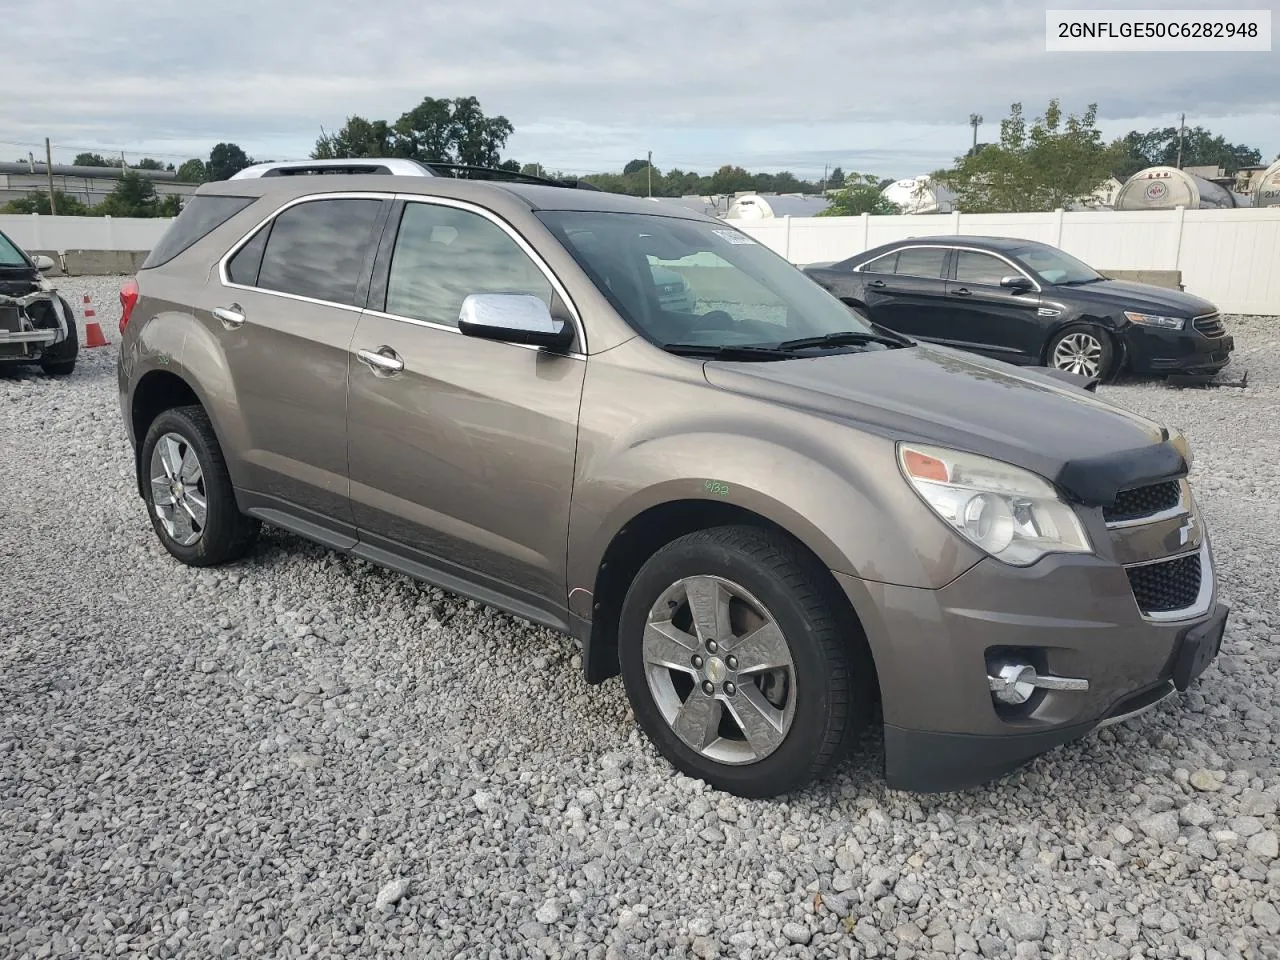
(1003, 244)
(484, 192)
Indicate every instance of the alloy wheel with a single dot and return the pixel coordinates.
(719, 670)
(1078, 353)
(178, 493)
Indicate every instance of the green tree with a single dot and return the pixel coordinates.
(731, 179)
(447, 131)
(38, 202)
(634, 166)
(133, 196)
(192, 171)
(91, 160)
(836, 180)
(1200, 147)
(147, 163)
(861, 194)
(169, 206)
(1045, 165)
(225, 161)
(356, 138)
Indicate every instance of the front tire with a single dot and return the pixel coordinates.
(188, 491)
(1085, 349)
(741, 663)
(60, 359)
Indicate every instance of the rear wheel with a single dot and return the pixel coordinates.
(188, 491)
(1083, 348)
(739, 662)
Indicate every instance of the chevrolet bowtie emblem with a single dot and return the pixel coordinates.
(1188, 532)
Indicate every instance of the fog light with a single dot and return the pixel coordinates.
(1014, 683)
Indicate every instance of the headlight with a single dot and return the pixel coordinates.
(1179, 442)
(1010, 513)
(1152, 320)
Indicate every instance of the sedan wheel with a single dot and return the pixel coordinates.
(1079, 353)
(719, 670)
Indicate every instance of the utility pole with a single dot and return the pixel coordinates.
(975, 121)
(1182, 128)
(651, 173)
(48, 169)
(825, 168)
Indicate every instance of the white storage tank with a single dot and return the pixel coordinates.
(1267, 192)
(754, 206)
(919, 195)
(1166, 188)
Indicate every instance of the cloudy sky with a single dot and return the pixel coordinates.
(769, 84)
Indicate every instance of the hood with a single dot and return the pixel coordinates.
(1125, 295)
(1090, 448)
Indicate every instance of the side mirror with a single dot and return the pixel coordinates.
(1017, 283)
(513, 318)
(43, 263)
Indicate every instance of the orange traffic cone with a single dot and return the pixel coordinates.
(93, 335)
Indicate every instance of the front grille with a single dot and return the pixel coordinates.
(1143, 501)
(1167, 585)
(1210, 326)
(10, 319)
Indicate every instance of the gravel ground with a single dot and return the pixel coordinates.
(304, 755)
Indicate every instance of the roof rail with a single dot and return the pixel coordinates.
(398, 167)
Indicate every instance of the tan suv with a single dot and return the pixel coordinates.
(772, 517)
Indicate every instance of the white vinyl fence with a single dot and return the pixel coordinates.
(1231, 257)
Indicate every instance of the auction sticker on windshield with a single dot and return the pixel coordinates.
(733, 236)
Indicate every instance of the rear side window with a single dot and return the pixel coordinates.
(244, 266)
(199, 217)
(443, 254)
(317, 249)
(885, 264)
(921, 262)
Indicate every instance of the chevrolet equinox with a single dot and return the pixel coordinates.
(776, 519)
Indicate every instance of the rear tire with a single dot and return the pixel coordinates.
(769, 687)
(188, 491)
(60, 359)
(1083, 348)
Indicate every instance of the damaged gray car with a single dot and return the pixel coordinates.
(36, 325)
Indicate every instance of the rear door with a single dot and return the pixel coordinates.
(462, 459)
(985, 317)
(905, 290)
(289, 308)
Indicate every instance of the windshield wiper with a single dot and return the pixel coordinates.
(842, 338)
(726, 352)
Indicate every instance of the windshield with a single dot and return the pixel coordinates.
(1053, 266)
(10, 255)
(695, 283)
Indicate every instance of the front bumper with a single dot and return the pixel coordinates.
(1071, 616)
(1150, 351)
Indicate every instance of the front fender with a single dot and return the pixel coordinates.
(835, 489)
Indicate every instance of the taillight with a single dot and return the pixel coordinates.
(128, 300)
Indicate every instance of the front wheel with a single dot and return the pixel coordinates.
(1083, 348)
(740, 662)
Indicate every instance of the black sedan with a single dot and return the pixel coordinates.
(1029, 303)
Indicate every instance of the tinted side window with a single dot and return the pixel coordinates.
(443, 254)
(980, 268)
(244, 266)
(318, 248)
(921, 262)
(885, 264)
(199, 217)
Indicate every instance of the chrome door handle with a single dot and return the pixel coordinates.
(231, 317)
(876, 283)
(383, 362)
(962, 292)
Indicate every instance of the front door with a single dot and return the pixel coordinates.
(1001, 322)
(463, 458)
(285, 322)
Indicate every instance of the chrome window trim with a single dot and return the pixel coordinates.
(968, 249)
(225, 279)
(1181, 509)
(445, 328)
(1204, 599)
